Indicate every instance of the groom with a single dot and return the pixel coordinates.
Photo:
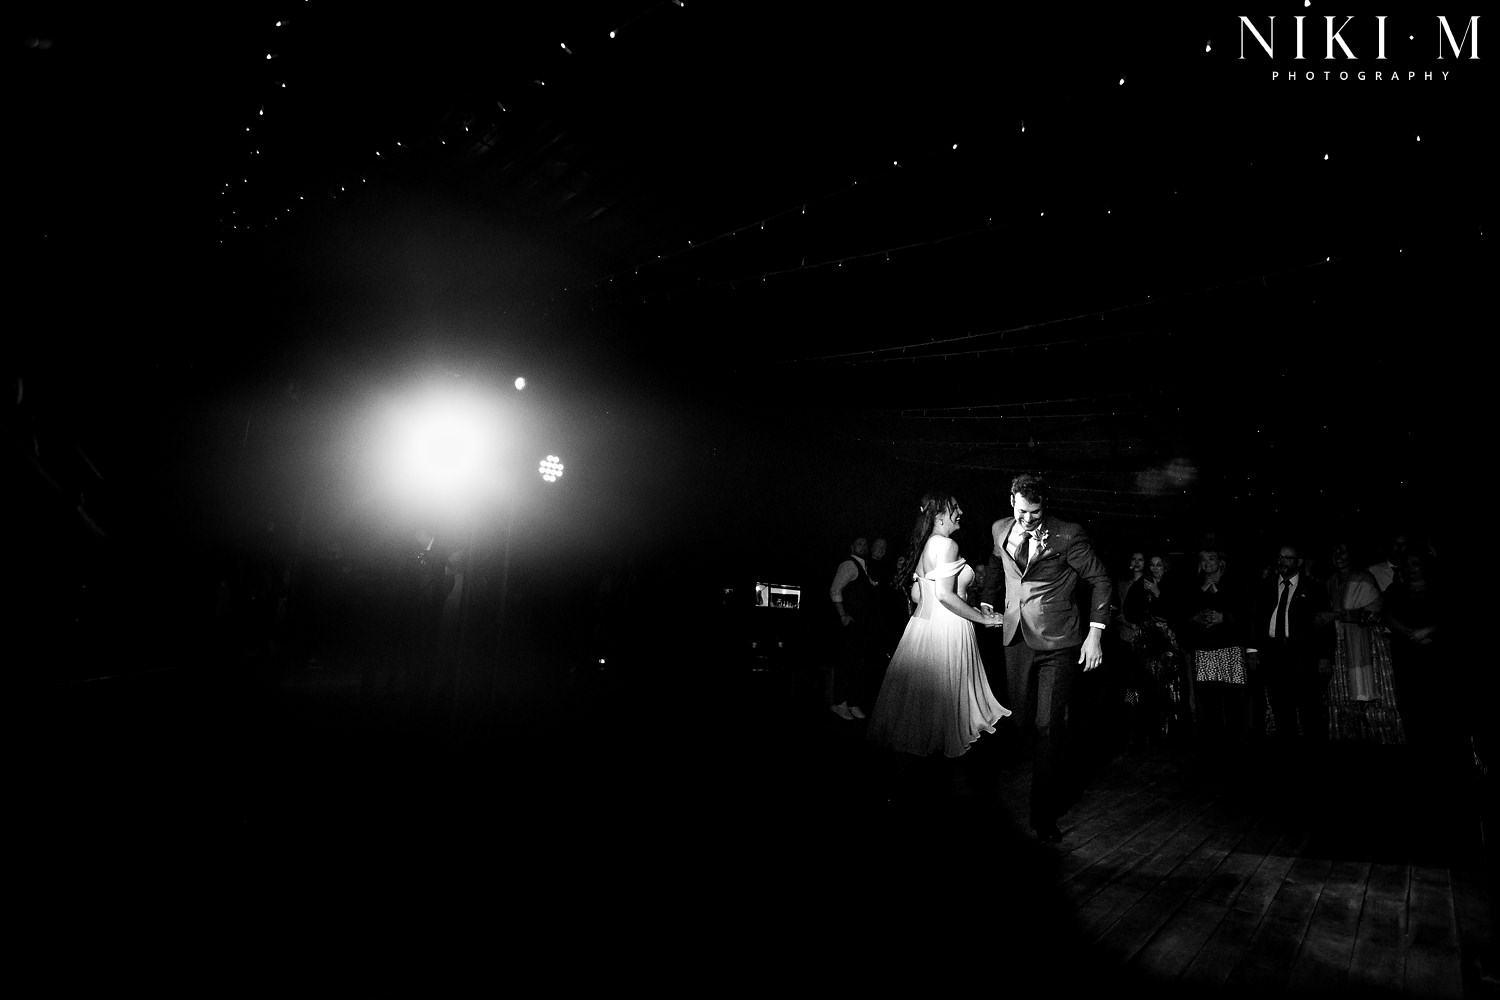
(1036, 564)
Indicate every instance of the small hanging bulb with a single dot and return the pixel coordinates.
(1210, 46)
(565, 48)
(611, 34)
(1122, 81)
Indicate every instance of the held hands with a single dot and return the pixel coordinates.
(991, 616)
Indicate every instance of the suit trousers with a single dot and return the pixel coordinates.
(1294, 689)
(1039, 683)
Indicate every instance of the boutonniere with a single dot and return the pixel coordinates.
(1041, 538)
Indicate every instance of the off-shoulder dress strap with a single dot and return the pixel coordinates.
(943, 570)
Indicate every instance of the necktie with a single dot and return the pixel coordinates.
(1023, 551)
(1286, 589)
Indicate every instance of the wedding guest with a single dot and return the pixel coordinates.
(1135, 570)
(1412, 614)
(1153, 608)
(1129, 666)
(978, 586)
(853, 597)
(1295, 646)
(1390, 569)
(1361, 691)
(878, 565)
(1214, 630)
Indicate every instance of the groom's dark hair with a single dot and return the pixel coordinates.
(1032, 488)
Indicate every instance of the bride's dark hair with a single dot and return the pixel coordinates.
(935, 502)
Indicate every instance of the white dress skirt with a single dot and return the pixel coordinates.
(935, 696)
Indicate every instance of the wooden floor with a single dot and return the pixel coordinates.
(692, 839)
(1357, 870)
(1242, 878)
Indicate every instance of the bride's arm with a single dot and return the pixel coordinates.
(948, 597)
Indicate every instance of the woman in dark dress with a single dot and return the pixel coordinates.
(1424, 682)
(1161, 702)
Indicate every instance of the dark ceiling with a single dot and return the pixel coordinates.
(819, 253)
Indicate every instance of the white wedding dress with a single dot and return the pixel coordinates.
(935, 696)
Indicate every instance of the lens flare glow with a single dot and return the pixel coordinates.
(446, 446)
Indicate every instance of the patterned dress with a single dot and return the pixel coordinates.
(1362, 691)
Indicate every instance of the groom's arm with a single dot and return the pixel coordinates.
(1091, 569)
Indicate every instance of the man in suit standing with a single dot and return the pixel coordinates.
(1295, 647)
(1037, 563)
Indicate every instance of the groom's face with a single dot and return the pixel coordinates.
(1028, 514)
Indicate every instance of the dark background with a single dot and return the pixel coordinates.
(761, 301)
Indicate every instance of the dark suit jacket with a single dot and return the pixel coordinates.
(1040, 602)
(1306, 640)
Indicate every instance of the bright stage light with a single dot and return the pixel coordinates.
(520, 383)
(551, 469)
(447, 446)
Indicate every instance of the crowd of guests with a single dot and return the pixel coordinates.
(1299, 651)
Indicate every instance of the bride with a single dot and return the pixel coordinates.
(935, 696)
